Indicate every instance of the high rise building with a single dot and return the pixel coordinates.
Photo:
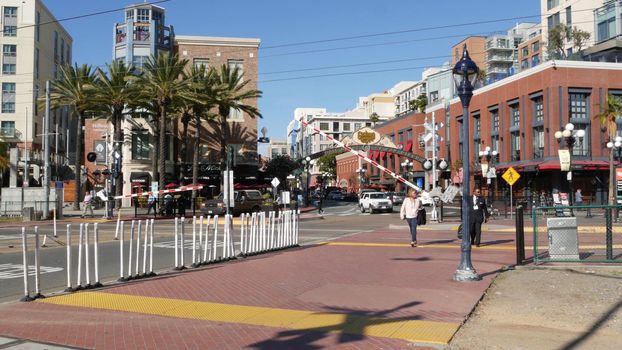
(34, 46)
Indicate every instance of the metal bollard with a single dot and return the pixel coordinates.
(130, 250)
(520, 236)
(96, 253)
(37, 266)
(80, 243)
(136, 269)
(609, 233)
(69, 288)
(194, 242)
(183, 244)
(145, 247)
(151, 273)
(122, 238)
(26, 296)
(87, 264)
(206, 247)
(215, 258)
(176, 244)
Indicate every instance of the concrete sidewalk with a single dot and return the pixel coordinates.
(367, 291)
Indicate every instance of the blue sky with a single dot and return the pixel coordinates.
(280, 22)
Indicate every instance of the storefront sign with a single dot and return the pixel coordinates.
(619, 185)
(564, 159)
(366, 136)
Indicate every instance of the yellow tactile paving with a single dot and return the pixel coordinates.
(410, 330)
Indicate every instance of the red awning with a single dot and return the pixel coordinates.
(528, 166)
(409, 146)
(382, 154)
(576, 164)
(373, 155)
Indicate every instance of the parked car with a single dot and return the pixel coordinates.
(351, 197)
(375, 201)
(245, 201)
(335, 195)
(396, 197)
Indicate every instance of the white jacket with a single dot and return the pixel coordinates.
(410, 208)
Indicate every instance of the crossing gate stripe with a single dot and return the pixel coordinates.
(172, 190)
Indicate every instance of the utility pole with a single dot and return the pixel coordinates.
(46, 152)
(26, 177)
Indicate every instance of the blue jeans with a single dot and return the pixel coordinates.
(412, 222)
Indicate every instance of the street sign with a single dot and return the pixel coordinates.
(154, 186)
(564, 159)
(492, 173)
(449, 194)
(511, 176)
(275, 182)
(228, 195)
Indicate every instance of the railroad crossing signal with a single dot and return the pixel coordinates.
(511, 176)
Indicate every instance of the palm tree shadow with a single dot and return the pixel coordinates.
(235, 133)
(352, 328)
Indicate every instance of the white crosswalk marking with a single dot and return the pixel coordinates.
(8, 237)
(8, 271)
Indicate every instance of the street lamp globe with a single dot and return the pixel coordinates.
(569, 127)
(487, 149)
(558, 135)
(581, 133)
(495, 153)
(481, 153)
(618, 144)
(442, 165)
(609, 144)
(618, 138)
(566, 133)
(308, 159)
(465, 70)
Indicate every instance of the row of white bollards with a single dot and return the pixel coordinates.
(258, 234)
(211, 242)
(147, 248)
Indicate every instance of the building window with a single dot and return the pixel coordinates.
(7, 129)
(606, 29)
(10, 12)
(68, 55)
(346, 127)
(433, 96)
(322, 137)
(535, 47)
(400, 136)
(553, 21)
(477, 125)
(495, 144)
(142, 15)
(140, 144)
(357, 126)
(551, 4)
(494, 117)
(538, 142)
(36, 63)
(236, 115)
(239, 64)
(9, 50)
(515, 145)
(9, 30)
(62, 51)
(201, 62)
(324, 126)
(515, 114)
(37, 25)
(409, 134)
(524, 64)
(336, 126)
(538, 109)
(535, 60)
(323, 147)
(569, 15)
(55, 45)
(525, 51)
(8, 97)
(129, 15)
(368, 124)
(139, 61)
(578, 105)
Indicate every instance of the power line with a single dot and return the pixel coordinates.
(85, 15)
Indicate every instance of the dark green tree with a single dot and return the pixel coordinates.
(328, 163)
(280, 167)
(374, 118)
(556, 42)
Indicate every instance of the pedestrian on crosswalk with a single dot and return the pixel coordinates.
(408, 211)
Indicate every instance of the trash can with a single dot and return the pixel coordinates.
(28, 214)
(563, 238)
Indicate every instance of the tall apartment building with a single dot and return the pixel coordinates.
(34, 46)
(502, 51)
(405, 92)
(579, 14)
(277, 148)
(607, 33)
(477, 50)
(530, 50)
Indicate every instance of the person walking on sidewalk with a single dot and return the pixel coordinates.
(320, 201)
(408, 211)
(88, 199)
(479, 215)
(151, 203)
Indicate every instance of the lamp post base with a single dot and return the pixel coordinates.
(466, 275)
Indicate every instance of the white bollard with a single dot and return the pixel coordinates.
(200, 239)
(263, 232)
(242, 232)
(122, 238)
(151, 273)
(96, 253)
(37, 265)
(215, 236)
(80, 242)
(69, 288)
(272, 230)
(25, 262)
(253, 237)
(206, 248)
(225, 238)
(87, 265)
(176, 244)
(145, 247)
(138, 232)
(183, 243)
(194, 241)
(279, 241)
(54, 219)
(288, 228)
(130, 249)
(116, 231)
(45, 240)
(296, 221)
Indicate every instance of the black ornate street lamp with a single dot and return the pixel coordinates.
(465, 73)
(570, 137)
(307, 162)
(490, 156)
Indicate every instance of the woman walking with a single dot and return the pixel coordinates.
(409, 210)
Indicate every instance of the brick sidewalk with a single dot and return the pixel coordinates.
(367, 291)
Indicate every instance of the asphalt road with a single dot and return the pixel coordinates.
(339, 219)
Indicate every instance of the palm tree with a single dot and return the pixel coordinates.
(74, 88)
(203, 87)
(374, 117)
(608, 122)
(231, 93)
(161, 83)
(113, 92)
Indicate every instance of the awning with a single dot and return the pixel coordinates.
(528, 166)
(409, 146)
(576, 165)
(382, 154)
(142, 178)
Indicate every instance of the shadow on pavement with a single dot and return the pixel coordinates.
(350, 330)
(599, 323)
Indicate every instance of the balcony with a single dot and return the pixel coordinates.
(141, 32)
(500, 58)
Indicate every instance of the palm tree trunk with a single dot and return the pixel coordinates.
(118, 139)
(78, 164)
(163, 155)
(223, 140)
(195, 160)
(183, 150)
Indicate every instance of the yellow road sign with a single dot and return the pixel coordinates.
(511, 176)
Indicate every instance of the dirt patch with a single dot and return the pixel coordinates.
(553, 308)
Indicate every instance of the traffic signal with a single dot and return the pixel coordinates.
(91, 156)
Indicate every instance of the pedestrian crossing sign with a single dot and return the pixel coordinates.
(511, 176)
